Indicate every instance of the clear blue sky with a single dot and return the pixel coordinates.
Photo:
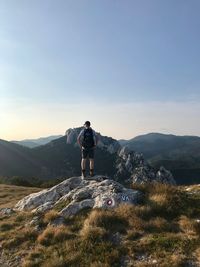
(132, 63)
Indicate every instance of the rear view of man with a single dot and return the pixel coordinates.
(87, 140)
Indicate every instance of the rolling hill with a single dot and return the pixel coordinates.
(56, 159)
(37, 142)
(180, 154)
(60, 159)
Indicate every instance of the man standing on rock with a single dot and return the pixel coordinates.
(87, 140)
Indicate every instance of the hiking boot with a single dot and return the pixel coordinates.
(91, 173)
(83, 175)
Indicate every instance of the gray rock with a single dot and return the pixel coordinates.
(132, 167)
(34, 221)
(143, 174)
(98, 192)
(51, 195)
(165, 176)
(44, 207)
(74, 207)
(107, 143)
(6, 211)
(57, 221)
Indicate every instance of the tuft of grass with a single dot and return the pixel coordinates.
(129, 213)
(196, 226)
(189, 226)
(166, 200)
(107, 219)
(52, 235)
(23, 217)
(6, 226)
(50, 216)
(159, 225)
(25, 235)
(168, 242)
(93, 233)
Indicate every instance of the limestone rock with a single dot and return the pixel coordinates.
(98, 192)
(6, 211)
(165, 176)
(57, 221)
(132, 167)
(107, 143)
(74, 207)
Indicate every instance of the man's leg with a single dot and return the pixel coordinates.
(91, 157)
(92, 164)
(83, 163)
(91, 167)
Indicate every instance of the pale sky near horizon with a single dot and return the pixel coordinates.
(130, 67)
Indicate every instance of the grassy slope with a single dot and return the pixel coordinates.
(10, 194)
(163, 231)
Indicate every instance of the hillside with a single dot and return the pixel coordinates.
(31, 143)
(61, 157)
(16, 160)
(180, 154)
(164, 230)
(10, 194)
(56, 159)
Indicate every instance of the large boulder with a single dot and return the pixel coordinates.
(97, 192)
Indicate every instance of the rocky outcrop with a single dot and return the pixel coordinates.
(107, 143)
(77, 194)
(132, 167)
(129, 166)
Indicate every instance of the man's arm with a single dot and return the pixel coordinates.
(79, 141)
(96, 138)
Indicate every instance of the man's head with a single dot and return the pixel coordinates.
(87, 124)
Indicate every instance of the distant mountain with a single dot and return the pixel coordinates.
(58, 158)
(61, 157)
(16, 160)
(180, 154)
(37, 142)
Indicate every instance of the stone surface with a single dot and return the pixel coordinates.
(57, 221)
(107, 143)
(98, 192)
(6, 211)
(132, 167)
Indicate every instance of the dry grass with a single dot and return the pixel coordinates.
(163, 230)
(52, 235)
(10, 194)
(107, 219)
(50, 216)
(159, 225)
(18, 237)
(93, 233)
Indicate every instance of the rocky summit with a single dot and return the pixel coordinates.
(75, 194)
(131, 166)
(106, 143)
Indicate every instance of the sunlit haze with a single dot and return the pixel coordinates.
(130, 67)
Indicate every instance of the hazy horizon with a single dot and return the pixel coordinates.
(130, 67)
(63, 134)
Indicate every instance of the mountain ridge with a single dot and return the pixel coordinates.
(36, 141)
(61, 157)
